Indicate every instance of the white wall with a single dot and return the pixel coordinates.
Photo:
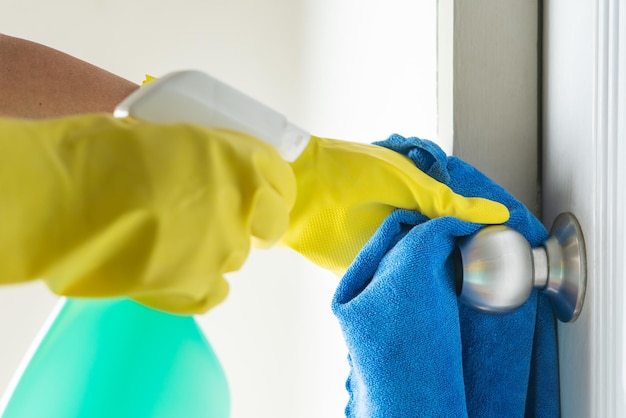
(356, 70)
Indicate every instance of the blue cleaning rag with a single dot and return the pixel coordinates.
(414, 350)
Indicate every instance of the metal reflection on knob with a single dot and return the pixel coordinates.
(496, 269)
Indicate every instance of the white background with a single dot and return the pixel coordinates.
(357, 70)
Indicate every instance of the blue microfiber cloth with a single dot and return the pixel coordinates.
(414, 350)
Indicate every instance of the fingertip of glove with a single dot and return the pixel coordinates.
(490, 212)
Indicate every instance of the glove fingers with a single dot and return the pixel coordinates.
(477, 210)
(353, 175)
(435, 199)
(400, 184)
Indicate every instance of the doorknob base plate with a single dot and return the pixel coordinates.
(567, 264)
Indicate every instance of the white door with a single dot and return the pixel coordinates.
(534, 93)
(584, 149)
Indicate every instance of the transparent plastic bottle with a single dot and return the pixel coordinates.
(103, 358)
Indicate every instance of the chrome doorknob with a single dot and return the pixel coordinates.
(496, 269)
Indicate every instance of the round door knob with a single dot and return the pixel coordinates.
(496, 269)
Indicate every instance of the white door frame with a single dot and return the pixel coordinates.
(488, 89)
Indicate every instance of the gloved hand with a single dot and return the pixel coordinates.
(346, 190)
(97, 206)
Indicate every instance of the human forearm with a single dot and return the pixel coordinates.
(39, 82)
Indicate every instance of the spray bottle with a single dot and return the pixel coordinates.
(196, 98)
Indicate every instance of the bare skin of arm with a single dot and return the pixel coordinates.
(40, 82)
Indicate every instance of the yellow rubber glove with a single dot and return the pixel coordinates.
(100, 207)
(346, 189)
